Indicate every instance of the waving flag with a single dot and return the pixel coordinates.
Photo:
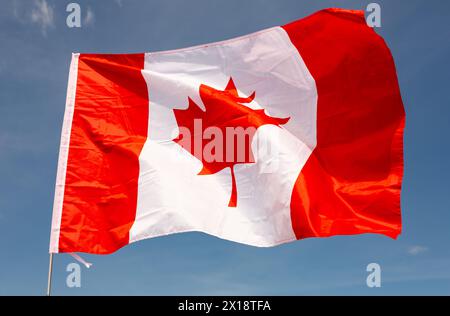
(291, 132)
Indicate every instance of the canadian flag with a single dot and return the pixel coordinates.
(291, 132)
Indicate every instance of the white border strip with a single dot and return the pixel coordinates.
(63, 155)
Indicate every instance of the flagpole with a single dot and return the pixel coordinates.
(49, 281)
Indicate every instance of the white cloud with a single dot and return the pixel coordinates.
(42, 15)
(89, 17)
(119, 3)
(415, 250)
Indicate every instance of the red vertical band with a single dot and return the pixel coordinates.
(351, 182)
(109, 129)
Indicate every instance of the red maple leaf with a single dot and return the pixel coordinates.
(223, 113)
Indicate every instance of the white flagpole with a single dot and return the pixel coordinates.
(49, 282)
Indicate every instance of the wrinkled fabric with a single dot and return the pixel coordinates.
(322, 92)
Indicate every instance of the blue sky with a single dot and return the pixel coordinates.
(35, 51)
